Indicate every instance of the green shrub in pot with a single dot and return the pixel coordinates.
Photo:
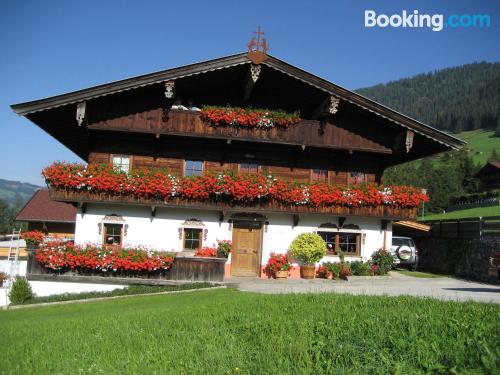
(308, 248)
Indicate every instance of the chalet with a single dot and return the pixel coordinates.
(55, 219)
(245, 148)
(489, 176)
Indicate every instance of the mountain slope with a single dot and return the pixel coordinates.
(453, 99)
(15, 192)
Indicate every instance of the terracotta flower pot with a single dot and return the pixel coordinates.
(307, 271)
(281, 274)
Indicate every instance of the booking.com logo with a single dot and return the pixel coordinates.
(436, 22)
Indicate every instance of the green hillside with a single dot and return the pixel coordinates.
(480, 144)
(470, 212)
(455, 99)
(15, 192)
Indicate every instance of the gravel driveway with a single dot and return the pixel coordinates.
(396, 284)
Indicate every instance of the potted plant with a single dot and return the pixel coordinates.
(33, 238)
(278, 266)
(308, 248)
(224, 248)
(3, 277)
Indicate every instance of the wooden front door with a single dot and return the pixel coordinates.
(245, 260)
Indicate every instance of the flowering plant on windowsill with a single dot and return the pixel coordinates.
(61, 256)
(206, 252)
(224, 248)
(34, 237)
(248, 117)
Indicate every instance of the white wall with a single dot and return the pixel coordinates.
(162, 232)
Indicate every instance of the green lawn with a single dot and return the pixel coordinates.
(231, 332)
(480, 143)
(423, 275)
(470, 212)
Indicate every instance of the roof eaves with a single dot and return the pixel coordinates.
(129, 84)
(365, 103)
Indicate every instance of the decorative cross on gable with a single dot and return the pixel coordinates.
(258, 47)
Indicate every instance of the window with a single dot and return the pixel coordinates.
(330, 239)
(349, 243)
(357, 178)
(192, 239)
(121, 163)
(319, 175)
(193, 168)
(249, 168)
(113, 234)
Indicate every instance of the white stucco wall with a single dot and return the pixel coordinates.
(162, 232)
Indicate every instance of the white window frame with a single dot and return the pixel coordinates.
(121, 166)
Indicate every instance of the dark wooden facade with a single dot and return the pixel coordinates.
(134, 117)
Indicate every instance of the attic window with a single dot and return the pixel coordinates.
(251, 168)
(121, 163)
(193, 168)
(357, 178)
(319, 175)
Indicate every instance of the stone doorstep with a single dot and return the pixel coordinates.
(15, 307)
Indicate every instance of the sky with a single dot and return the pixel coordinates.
(53, 47)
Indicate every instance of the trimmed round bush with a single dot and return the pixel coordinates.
(308, 248)
(20, 291)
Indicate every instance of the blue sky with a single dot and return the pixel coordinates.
(52, 47)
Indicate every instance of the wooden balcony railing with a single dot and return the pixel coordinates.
(308, 133)
(385, 212)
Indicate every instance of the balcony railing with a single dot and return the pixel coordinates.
(308, 133)
(381, 211)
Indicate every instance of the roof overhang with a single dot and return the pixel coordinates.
(379, 110)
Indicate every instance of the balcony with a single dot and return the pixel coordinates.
(381, 211)
(308, 133)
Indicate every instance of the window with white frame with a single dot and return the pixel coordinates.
(319, 175)
(193, 168)
(121, 163)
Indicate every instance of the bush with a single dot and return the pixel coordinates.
(360, 268)
(308, 248)
(383, 260)
(333, 268)
(21, 291)
(345, 270)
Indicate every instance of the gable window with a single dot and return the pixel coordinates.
(357, 178)
(121, 163)
(193, 168)
(251, 168)
(319, 175)
(192, 239)
(113, 234)
(348, 242)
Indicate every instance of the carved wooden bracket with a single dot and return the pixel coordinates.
(250, 80)
(334, 105)
(255, 72)
(409, 140)
(169, 89)
(81, 112)
(329, 106)
(296, 219)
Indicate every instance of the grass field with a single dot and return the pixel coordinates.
(471, 212)
(231, 332)
(480, 143)
(423, 275)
